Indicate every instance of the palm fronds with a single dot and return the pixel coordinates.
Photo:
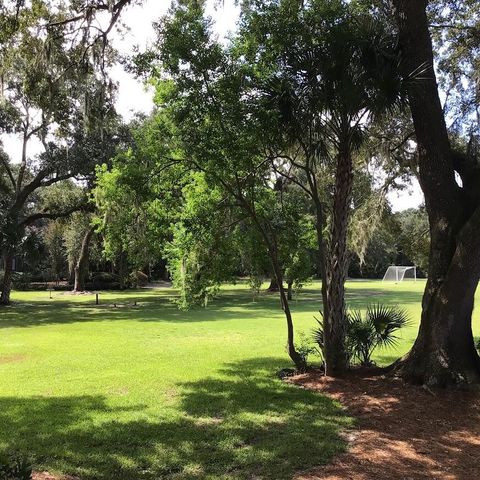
(378, 327)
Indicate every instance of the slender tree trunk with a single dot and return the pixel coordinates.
(81, 268)
(444, 353)
(289, 290)
(7, 277)
(336, 360)
(292, 352)
(321, 264)
(71, 273)
(271, 245)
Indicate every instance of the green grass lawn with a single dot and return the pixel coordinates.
(156, 393)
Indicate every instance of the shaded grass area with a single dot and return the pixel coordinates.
(151, 392)
(217, 428)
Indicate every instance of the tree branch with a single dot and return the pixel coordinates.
(89, 9)
(8, 170)
(87, 207)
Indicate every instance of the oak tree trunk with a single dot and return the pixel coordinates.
(81, 268)
(122, 270)
(273, 287)
(444, 353)
(7, 277)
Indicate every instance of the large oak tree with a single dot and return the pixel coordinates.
(444, 353)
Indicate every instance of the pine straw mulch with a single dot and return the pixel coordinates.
(403, 432)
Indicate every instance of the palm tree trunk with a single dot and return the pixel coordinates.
(336, 360)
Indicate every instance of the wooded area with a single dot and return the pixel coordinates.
(269, 156)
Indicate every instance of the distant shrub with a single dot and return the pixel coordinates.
(255, 284)
(14, 466)
(21, 281)
(103, 281)
(36, 287)
(105, 277)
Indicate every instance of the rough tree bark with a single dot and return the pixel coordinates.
(81, 268)
(7, 277)
(336, 359)
(444, 353)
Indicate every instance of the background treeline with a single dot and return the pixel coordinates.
(49, 252)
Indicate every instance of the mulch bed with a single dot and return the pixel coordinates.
(403, 432)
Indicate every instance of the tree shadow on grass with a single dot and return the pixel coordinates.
(161, 307)
(243, 424)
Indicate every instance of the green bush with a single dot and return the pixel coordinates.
(103, 281)
(305, 346)
(15, 466)
(21, 281)
(376, 328)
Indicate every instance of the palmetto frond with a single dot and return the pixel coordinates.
(387, 320)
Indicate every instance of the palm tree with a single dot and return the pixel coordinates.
(335, 71)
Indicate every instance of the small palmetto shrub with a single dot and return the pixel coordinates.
(376, 328)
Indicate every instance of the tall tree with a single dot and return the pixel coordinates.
(210, 105)
(328, 72)
(53, 89)
(444, 353)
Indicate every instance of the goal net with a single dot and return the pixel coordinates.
(398, 273)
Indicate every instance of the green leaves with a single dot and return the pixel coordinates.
(376, 328)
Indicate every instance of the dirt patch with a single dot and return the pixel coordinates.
(75, 293)
(12, 358)
(50, 476)
(403, 432)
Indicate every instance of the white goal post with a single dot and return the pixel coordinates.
(397, 273)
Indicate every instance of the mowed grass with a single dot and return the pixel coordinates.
(151, 392)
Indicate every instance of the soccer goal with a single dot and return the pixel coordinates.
(398, 273)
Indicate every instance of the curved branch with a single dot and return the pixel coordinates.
(86, 207)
